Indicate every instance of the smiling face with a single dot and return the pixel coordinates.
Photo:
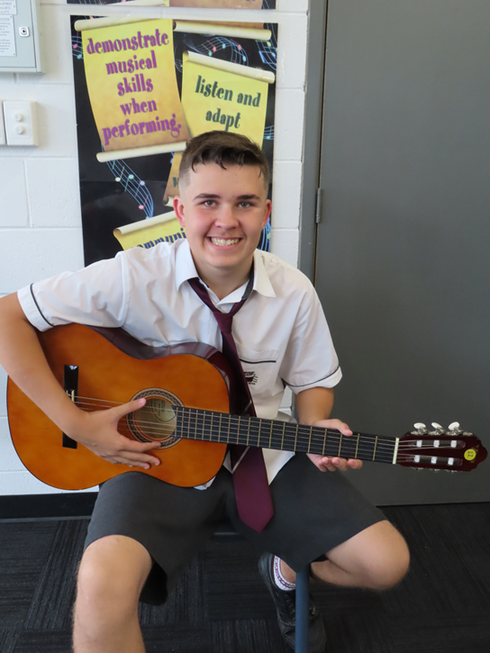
(223, 212)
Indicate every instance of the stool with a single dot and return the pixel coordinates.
(226, 531)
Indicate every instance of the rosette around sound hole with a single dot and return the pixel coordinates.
(156, 421)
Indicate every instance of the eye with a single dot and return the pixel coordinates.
(245, 204)
(209, 203)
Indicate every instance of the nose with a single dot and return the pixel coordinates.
(226, 218)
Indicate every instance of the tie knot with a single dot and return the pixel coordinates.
(224, 321)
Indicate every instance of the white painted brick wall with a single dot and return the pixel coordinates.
(40, 225)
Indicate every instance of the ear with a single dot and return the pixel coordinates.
(268, 208)
(179, 210)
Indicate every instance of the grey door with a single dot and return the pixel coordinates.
(403, 247)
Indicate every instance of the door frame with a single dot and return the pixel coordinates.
(314, 102)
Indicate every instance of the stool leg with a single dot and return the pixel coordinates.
(302, 602)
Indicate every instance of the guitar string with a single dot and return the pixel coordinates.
(302, 429)
(302, 433)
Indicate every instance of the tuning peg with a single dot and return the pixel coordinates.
(419, 427)
(437, 428)
(454, 429)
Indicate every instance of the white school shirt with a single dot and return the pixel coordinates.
(281, 333)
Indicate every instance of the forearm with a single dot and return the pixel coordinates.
(314, 405)
(23, 359)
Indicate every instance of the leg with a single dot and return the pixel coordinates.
(112, 573)
(376, 558)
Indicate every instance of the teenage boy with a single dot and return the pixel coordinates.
(143, 531)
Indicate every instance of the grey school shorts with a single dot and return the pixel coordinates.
(313, 512)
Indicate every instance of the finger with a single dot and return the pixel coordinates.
(344, 429)
(137, 454)
(132, 461)
(326, 464)
(354, 464)
(335, 424)
(129, 407)
(139, 458)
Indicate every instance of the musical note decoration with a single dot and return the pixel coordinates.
(133, 185)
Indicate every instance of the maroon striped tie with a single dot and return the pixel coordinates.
(252, 493)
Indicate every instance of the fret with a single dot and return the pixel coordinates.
(248, 432)
(193, 425)
(259, 425)
(290, 436)
(229, 427)
(270, 435)
(349, 447)
(219, 426)
(240, 435)
(375, 446)
(309, 440)
(277, 431)
(340, 446)
(203, 433)
(325, 442)
(255, 426)
(195, 415)
(185, 423)
(234, 425)
(202, 418)
(357, 445)
(367, 449)
(283, 434)
(239, 423)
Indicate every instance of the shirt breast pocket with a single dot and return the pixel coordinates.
(260, 369)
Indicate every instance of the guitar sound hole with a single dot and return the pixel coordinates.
(156, 421)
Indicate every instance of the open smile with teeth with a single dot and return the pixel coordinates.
(225, 242)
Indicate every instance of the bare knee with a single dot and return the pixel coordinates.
(389, 564)
(376, 558)
(111, 575)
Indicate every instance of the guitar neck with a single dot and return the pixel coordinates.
(223, 428)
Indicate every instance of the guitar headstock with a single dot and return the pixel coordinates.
(451, 449)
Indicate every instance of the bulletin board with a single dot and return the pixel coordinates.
(143, 87)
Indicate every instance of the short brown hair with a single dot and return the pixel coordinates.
(225, 149)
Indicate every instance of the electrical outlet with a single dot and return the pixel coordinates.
(20, 122)
(2, 128)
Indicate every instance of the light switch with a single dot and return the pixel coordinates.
(20, 122)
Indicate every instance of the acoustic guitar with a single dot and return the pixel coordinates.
(188, 390)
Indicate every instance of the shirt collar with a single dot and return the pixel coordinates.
(262, 282)
(184, 264)
(185, 270)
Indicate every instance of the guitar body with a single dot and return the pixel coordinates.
(113, 374)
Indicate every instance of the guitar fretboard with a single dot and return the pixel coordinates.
(223, 428)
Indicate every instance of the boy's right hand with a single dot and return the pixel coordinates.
(97, 431)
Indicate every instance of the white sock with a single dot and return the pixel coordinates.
(280, 581)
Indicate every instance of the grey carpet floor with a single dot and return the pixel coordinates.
(221, 605)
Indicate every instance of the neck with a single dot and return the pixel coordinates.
(222, 283)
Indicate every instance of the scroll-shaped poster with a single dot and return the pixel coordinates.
(130, 72)
(220, 94)
(148, 233)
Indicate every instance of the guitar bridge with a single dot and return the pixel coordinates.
(70, 386)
